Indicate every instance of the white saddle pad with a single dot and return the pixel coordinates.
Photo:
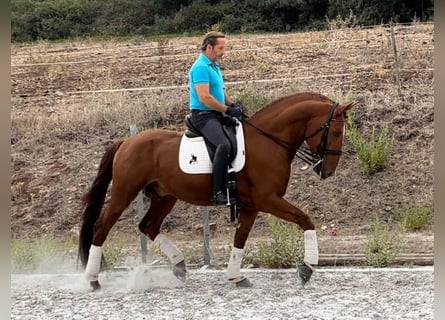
(194, 157)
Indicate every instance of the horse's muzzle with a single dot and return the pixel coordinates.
(321, 170)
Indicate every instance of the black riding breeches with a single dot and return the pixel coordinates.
(209, 124)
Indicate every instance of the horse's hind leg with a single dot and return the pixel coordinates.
(151, 225)
(246, 220)
(120, 199)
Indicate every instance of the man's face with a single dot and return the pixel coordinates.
(219, 50)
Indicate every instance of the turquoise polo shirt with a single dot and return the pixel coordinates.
(204, 71)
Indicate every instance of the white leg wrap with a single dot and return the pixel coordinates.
(169, 249)
(310, 247)
(93, 264)
(234, 267)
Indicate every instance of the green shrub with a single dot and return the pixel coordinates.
(342, 23)
(112, 250)
(252, 100)
(374, 153)
(48, 254)
(45, 254)
(285, 250)
(413, 217)
(383, 245)
(23, 257)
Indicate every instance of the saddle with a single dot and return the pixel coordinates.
(229, 127)
(228, 124)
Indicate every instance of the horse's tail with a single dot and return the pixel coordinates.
(93, 201)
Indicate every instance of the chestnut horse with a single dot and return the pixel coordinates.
(149, 161)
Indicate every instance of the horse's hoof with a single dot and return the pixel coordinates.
(305, 272)
(95, 285)
(242, 282)
(179, 271)
(245, 283)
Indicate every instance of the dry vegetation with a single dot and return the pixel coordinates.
(71, 99)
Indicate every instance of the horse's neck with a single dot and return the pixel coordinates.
(285, 121)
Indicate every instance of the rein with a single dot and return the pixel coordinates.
(278, 141)
(304, 152)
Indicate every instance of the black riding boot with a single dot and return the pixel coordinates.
(220, 162)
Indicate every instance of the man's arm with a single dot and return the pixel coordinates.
(227, 100)
(206, 98)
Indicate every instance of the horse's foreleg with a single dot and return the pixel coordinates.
(246, 220)
(151, 225)
(286, 211)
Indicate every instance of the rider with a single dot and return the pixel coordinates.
(208, 102)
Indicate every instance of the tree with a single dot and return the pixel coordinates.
(372, 12)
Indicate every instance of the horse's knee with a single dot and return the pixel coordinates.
(306, 223)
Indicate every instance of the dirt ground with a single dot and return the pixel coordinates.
(400, 293)
(57, 139)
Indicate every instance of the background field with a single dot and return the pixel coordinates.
(70, 99)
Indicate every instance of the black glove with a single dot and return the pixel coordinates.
(235, 110)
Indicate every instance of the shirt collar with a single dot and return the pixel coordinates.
(207, 60)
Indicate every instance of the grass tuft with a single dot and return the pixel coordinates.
(373, 153)
(43, 255)
(285, 250)
(383, 245)
(413, 217)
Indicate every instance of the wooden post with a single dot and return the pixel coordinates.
(206, 232)
(396, 58)
(140, 208)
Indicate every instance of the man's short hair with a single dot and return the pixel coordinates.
(211, 38)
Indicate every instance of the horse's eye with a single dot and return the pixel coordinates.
(336, 134)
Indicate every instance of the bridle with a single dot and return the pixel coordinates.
(316, 158)
(304, 153)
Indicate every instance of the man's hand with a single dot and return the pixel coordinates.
(235, 110)
(237, 105)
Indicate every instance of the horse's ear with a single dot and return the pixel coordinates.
(343, 108)
(350, 105)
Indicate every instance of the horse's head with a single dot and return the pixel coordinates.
(324, 136)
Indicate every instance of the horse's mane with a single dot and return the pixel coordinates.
(302, 95)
